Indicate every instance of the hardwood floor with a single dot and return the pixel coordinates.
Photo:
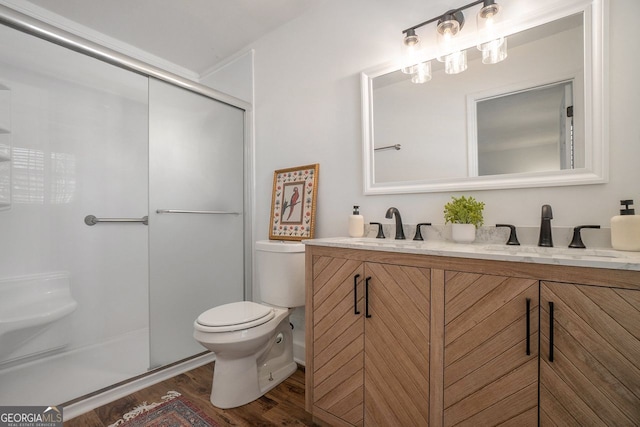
(282, 406)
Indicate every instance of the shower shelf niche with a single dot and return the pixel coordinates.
(5, 147)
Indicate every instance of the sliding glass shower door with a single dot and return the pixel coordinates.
(196, 220)
(73, 296)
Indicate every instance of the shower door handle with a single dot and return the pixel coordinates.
(91, 220)
(182, 211)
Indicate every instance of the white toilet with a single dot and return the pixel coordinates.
(253, 343)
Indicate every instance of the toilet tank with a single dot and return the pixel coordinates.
(280, 272)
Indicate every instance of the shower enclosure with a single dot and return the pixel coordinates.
(122, 217)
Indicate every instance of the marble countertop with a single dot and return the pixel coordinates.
(595, 258)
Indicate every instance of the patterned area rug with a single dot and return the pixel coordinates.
(174, 411)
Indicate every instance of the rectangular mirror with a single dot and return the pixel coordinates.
(535, 119)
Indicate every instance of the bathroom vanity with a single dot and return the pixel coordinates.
(434, 333)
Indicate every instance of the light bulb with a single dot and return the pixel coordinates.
(493, 47)
(448, 27)
(412, 52)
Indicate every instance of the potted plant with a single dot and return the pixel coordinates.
(465, 215)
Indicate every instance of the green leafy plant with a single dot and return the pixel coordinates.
(464, 210)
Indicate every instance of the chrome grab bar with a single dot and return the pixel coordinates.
(92, 220)
(162, 211)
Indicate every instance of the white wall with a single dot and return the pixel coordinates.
(307, 110)
(234, 77)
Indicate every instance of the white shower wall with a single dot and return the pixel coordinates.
(80, 146)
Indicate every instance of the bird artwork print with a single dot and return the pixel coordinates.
(293, 201)
(290, 204)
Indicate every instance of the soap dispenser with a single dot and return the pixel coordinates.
(625, 228)
(356, 223)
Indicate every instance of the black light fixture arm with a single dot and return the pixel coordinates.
(451, 12)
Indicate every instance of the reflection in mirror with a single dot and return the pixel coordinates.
(527, 131)
(429, 120)
(502, 125)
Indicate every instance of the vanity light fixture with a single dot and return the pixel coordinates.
(449, 25)
(412, 58)
(494, 50)
(412, 51)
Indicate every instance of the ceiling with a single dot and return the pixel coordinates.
(194, 34)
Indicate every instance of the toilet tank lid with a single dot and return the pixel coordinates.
(279, 246)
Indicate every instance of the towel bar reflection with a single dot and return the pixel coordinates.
(163, 211)
(389, 147)
(92, 220)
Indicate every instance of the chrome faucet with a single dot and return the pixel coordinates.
(399, 230)
(545, 238)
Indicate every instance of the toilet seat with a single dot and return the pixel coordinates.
(235, 316)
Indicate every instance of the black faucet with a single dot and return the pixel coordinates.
(418, 235)
(399, 231)
(380, 231)
(576, 242)
(545, 227)
(513, 237)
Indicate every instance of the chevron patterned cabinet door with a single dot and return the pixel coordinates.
(338, 338)
(589, 355)
(491, 350)
(396, 346)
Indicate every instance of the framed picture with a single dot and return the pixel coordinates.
(293, 203)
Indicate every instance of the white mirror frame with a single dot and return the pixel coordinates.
(596, 67)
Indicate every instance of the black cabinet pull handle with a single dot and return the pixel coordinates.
(528, 327)
(550, 331)
(355, 294)
(366, 297)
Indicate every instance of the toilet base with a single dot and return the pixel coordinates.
(238, 381)
(238, 384)
(276, 377)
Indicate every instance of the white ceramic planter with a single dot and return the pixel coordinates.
(463, 233)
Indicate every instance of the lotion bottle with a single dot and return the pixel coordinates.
(356, 223)
(625, 229)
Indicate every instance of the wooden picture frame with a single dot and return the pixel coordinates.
(293, 203)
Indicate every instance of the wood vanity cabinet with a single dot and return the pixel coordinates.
(370, 361)
(454, 341)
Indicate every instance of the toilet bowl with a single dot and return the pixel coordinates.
(253, 343)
